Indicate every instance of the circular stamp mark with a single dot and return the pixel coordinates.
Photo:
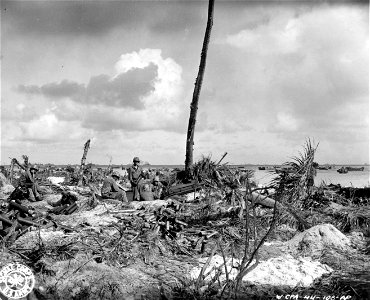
(16, 280)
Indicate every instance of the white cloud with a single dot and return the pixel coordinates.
(309, 67)
(287, 71)
(48, 128)
(20, 107)
(279, 35)
(162, 107)
(286, 122)
(168, 84)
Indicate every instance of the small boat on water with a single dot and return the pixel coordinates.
(355, 169)
(283, 169)
(342, 170)
(323, 168)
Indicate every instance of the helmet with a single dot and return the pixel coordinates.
(34, 167)
(156, 178)
(136, 159)
(116, 174)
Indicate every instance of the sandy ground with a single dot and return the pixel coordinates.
(281, 264)
(298, 262)
(295, 266)
(56, 180)
(277, 271)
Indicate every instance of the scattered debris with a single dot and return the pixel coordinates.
(218, 215)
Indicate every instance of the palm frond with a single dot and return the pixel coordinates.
(300, 175)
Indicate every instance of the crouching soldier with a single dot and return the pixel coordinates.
(112, 190)
(157, 188)
(28, 186)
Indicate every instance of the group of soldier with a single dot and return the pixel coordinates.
(142, 187)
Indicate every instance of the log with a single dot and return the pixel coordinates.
(64, 228)
(126, 211)
(21, 208)
(69, 210)
(5, 220)
(264, 200)
(211, 235)
(182, 189)
(181, 223)
(27, 222)
(269, 202)
(151, 219)
(169, 211)
(58, 210)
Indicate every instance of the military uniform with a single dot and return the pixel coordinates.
(145, 191)
(157, 190)
(110, 190)
(27, 187)
(135, 176)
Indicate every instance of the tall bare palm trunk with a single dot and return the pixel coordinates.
(197, 88)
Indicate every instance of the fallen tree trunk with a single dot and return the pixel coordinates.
(182, 189)
(269, 202)
(264, 200)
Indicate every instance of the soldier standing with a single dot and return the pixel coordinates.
(135, 175)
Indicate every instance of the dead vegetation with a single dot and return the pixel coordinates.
(83, 247)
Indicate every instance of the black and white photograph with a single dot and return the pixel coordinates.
(184, 149)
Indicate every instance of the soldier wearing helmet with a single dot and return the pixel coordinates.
(27, 187)
(111, 189)
(135, 175)
(151, 189)
(157, 188)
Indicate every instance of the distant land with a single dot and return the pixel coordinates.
(178, 165)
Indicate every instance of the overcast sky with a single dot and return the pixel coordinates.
(122, 73)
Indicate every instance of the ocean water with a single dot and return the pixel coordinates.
(352, 178)
(264, 177)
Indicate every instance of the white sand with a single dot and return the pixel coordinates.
(312, 241)
(192, 196)
(96, 217)
(56, 180)
(31, 239)
(287, 270)
(276, 271)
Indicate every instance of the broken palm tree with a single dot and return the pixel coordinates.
(11, 173)
(83, 161)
